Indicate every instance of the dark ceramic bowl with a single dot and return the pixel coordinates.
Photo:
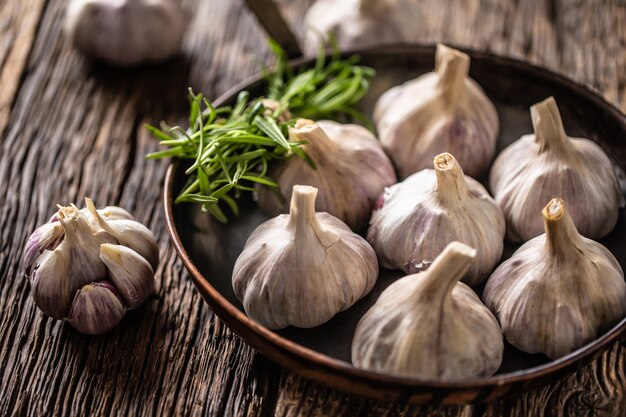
(209, 249)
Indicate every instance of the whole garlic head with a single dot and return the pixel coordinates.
(360, 22)
(442, 111)
(417, 218)
(88, 270)
(302, 268)
(429, 325)
(528, 173)
(558, 291)
(352, 170)
(126, 32)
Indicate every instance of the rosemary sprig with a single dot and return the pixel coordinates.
(231, 148)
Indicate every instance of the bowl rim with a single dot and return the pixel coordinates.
(286, 349)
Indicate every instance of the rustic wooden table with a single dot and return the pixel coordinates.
(70, 128)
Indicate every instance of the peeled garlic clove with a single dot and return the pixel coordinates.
(352, 170)
(72, 264)
(126, 32)
(360, 22)
(302, 268)
(96, 309)
(46, 237)
(528, 173)
(129, 233)
(442, 111)
(129, 272)
(416, 219)
(558, 291)
(429, 325)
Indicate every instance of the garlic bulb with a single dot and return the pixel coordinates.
(416, 219)
(528, 173)
(360, 22)
(302, 268)
(352, 170)
(558, 291)
(429, 325)
(88, 267)
(442, 111)
(126, 32)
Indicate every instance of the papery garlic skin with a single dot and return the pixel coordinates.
(528, 173)
(429, 325)
(441, 111)
(82, 271)
(352, 170)
(360, 23)
(302, 268)
(126, 32)
(417, 218)
(558, 291)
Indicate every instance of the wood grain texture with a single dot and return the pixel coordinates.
(70, 128)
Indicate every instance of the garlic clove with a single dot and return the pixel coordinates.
(352, 170)
(442, 111)
(126, 32)
(416, 219)
(46, 237)
(72, 264)
(130, 273)
(129, 233)
(529, 172)
(293, 269)
(558, 291)
(429, 325)
(96, 309)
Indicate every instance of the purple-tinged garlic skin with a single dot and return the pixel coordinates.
(529, 172)
(429, 325)
(559, 291)
(360, 23)
(418, 217)
(302, 268)
(86, 266)
(441, 111)
(352, 170)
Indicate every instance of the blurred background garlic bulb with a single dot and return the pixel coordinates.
(360, 22)
(441, 111)
(558, 291)
(87, 269)
(417, 218)
(429, 325)
(529, 172)
(351, 171)
(302, 268)
(126, 32)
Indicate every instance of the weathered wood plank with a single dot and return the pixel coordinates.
(75, 129)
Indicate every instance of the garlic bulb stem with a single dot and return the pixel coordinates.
(452, 66)
(561, 233)
(447, 269)
(548, 126)
(308, 130)
(451, 183)
(302, 219)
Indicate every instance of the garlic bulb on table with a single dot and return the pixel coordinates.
(416, 219)
(360, 22)
(442, 111)
(88, 266)
(558, 291)
(302, 268)
(535, 168)
(429, 325)
(351, 171)
(126, 32)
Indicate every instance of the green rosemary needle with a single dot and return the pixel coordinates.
(231, 148)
